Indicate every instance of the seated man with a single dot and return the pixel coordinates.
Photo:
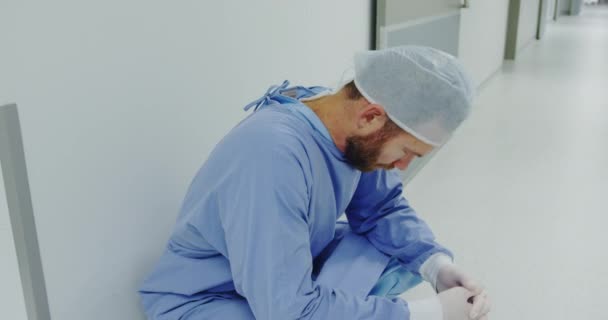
(257, 236)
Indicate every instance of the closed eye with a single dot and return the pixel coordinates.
(407, 151)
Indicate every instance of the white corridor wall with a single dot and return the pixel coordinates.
(121, 102)
(528, 23)
(482, 53)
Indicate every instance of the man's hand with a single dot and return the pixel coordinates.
(451, 304)
(454, 303)
(450, 276)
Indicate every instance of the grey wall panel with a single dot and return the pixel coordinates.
(575, 7)
(398, 11)
(564, 7)
(550, 11)
(12, 163)
(441, 33)
(512, 27)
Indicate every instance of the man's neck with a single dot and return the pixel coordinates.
(331, 110)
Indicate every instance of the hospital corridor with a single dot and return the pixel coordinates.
(369, 159)
(533, 157)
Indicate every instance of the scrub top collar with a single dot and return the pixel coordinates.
(294, 96)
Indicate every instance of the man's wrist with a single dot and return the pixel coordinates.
(430, 268)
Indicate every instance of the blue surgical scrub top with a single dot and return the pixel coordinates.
(265, 204)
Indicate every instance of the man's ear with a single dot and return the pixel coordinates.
(371, 115)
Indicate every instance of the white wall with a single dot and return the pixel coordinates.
(11, 292)
(12, 302)
(121, 102)
(528, 22)
(482, 53)
(7, 51)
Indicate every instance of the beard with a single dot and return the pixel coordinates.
(362, 152)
